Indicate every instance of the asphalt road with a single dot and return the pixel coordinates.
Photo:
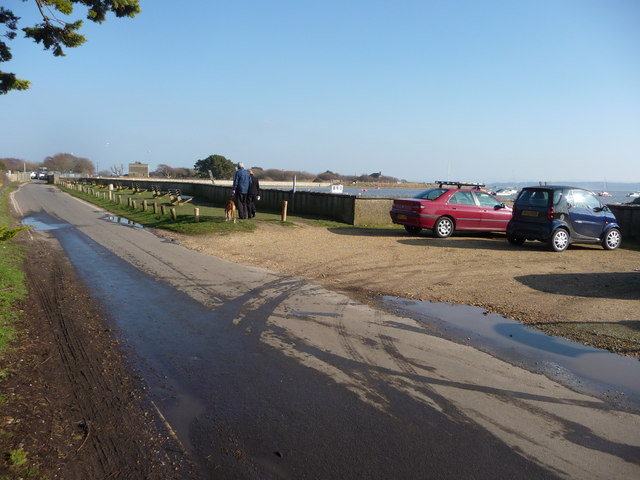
(266, 376)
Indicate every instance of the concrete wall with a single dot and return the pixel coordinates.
(18, 176)
(372, 211)
(628, 217)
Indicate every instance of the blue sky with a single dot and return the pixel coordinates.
(421, 90)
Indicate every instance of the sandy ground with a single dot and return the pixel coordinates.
(585, 293)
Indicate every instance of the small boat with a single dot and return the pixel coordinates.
(505, 192)
(633, 194)
(604, 194)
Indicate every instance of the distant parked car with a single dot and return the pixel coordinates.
(33, 175)
(42, 175)
(451, 207)
(560, 216)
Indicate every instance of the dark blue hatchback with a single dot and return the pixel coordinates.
(560, 216)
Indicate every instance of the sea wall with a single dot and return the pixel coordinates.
(628, 217)
(337, 207)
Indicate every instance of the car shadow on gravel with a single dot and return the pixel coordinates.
(368, 232)
(612, 285)
(496, 243)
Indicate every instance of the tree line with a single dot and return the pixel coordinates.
(61, 162)
(221, 168)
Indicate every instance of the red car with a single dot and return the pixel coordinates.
(445, 210)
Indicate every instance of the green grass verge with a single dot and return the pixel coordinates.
(211, 217)
(12, 285)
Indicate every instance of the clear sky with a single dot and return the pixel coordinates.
(472, 90)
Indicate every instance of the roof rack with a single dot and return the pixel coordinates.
(476, 186)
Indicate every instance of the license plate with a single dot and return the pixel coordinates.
(402, 217)
(529, 213)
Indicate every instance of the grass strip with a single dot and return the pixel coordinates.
(12, 282)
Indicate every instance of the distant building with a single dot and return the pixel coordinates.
(139, 169)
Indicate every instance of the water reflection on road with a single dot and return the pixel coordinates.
(586, 368)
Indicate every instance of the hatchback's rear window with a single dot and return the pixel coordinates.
(533, 198)
(431, 194)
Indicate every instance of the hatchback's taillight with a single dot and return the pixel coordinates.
(551, 214)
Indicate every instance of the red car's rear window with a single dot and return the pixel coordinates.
(431, 194)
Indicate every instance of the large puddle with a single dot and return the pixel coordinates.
(574, 364)
(44, 223)
(122, 221)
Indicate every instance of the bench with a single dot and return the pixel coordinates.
(157, 191)
(137, 188)
(176, 197)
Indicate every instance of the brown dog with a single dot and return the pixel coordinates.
(230, 211)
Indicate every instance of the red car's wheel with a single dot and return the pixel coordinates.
(443, 227)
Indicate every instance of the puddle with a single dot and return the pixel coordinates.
(44, 223)
(121, 221)
(574, 364)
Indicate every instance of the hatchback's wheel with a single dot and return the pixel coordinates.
(612, 239)
(515, 240)
(443, 227)
(559, 240)
(412, 229)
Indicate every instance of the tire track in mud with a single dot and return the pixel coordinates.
(103, 407)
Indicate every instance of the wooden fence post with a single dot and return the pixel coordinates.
(144, 205)
(163, 209)
(196, 214)
(284, 211)
(173, 214)
(155, 208)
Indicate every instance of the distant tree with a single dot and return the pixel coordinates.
(67, 162)
(164, 170)
(220, 167)
(54, 33)
(183, 172)
(117, 170)
(19, 164)
(2, 165)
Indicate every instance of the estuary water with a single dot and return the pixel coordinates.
(616, 196)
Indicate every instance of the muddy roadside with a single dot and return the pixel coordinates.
(586, 293)
(71, 403)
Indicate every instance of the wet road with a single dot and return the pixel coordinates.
(267, 376)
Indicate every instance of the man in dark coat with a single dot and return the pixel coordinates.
(254, 194)
(241, 183)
